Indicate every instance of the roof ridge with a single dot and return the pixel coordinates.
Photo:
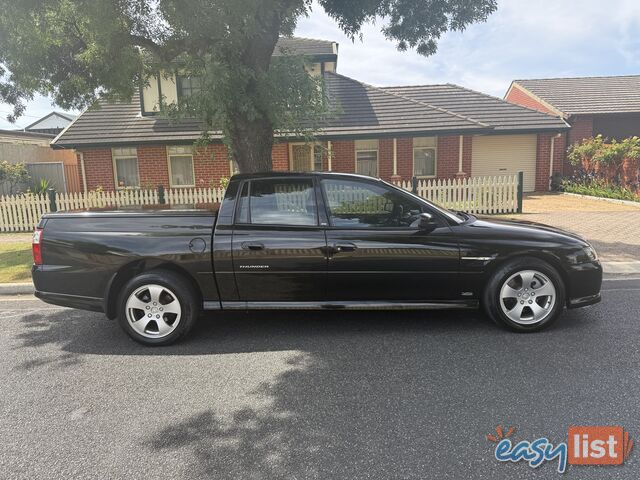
(417, 85)
(440, 109)
(306, 38)
(577, 78)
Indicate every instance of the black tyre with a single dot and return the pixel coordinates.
(157, 308)
(525, 295)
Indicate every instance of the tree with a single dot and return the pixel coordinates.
(78, 50)
(13, 176)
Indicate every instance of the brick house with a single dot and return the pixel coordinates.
(429, 131)
(609, 106)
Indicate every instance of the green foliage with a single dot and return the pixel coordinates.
(224, 182)
(42, 186)
(78, 50)
(599, 188)
(13, 176)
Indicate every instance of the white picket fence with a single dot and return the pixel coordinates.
(21, 213)
(484, 195)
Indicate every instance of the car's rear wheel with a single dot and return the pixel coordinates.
(157, 308)
(525, 295)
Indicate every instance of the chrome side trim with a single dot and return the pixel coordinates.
(480, 259)
(374, 305)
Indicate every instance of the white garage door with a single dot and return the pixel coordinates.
(505, 155)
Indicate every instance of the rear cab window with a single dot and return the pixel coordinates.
(278, 201)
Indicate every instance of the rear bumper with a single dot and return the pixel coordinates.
(72, 301)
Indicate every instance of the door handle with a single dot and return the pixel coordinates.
(253, 246)
(344, 247)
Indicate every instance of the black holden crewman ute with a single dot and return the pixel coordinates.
(307, 241)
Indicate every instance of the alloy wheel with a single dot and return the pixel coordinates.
(527, 297)
(153, 311)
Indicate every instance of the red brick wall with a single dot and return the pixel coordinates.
(344, 156)
(405, 157)
(385, 158)
(98, 167)
(581, 127)
(211, 163)
(153, 166)
(520, 97)
(448, 156)
(280, 157)
(467, 155)
(543, 157)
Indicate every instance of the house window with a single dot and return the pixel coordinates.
(424, 156)
(233, 167)
(188, 86)
(181, 172)
(305, 157)
(367, 157)
(125, 167)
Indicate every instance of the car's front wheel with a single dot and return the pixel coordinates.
(525, 295)
(157, 308)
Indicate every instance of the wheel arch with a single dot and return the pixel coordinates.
(546, 256)
(135, 268)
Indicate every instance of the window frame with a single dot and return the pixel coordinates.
(368, 150)
(435, 157)
(193, 167)
(115, 156)
(425, 207)
(179, 79)
(249, 182)
(314, 146)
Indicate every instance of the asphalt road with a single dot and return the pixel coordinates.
(299, 395)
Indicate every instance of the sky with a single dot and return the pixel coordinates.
(522, 39)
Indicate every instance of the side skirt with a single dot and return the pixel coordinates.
(466, 304)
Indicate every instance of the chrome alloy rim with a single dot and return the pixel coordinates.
(153, 311)
(527, 297)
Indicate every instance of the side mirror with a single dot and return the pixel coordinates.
(426, 222)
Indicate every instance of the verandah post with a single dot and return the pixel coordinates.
(520, 190)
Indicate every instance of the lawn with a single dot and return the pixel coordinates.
(15, 262)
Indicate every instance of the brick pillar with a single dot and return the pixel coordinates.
(447, 156)
(385, 158)
(543, 158)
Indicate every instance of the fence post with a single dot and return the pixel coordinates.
(161, 199)
(520, 190)
(414, 185)
(53, 207)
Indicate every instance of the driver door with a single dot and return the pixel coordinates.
(378, 253)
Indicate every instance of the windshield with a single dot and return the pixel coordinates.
(457, 217)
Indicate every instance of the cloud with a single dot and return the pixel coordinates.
(523, 39)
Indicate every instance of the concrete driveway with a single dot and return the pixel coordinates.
(612, 228)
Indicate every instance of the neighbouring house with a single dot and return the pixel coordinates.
(429, 131)
(59, 167)
(53, 123)
(608, 106)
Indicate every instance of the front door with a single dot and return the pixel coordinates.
(278, 247)
(378, 251)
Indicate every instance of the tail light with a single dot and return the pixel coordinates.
(36, 246)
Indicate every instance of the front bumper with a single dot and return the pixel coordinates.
(585, 281)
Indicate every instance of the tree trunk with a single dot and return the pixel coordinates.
(251, 142)
(251, 135)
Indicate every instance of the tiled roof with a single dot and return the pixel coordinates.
(305, 46)
(588, 95)
(362, 111)
(497, 113)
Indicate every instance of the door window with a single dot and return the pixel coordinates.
(278, 202)
(356, 204)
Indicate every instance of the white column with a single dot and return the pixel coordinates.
(82, 170)
(395, 156)
(460, 148)
(329, 154)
